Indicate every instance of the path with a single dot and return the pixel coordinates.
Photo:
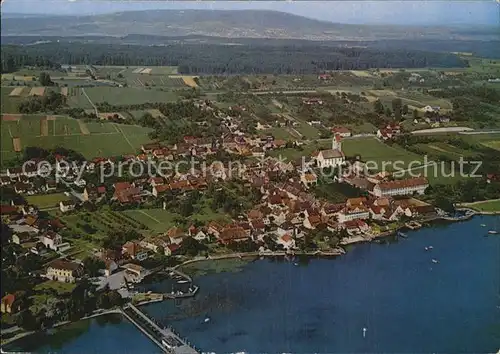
(92, 103)
(149, 216)
(119, 130)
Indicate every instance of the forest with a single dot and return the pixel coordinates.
(218, 59)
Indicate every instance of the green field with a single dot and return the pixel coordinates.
(46, 200)
(8, 103)
(105, 139)
(128, 95)
(487, 206)
(159, 220)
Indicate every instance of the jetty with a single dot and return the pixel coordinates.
(164, 337)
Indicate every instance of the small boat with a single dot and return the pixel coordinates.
(435, 261)
(206, 320)
(493, 232)
(430, 247)
(295, 264)
(403, 235)
(182, 282)
(483, 225)
(364, 332)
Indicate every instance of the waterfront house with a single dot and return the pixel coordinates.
(286, 241)
(233, 234)
(135, 271)
(64, 271)
(351, 213)
(401, 187)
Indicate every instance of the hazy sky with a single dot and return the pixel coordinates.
(431, 12)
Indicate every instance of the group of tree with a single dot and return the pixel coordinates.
(217, 59)
(51, 102)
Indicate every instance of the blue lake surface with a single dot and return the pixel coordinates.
(406, 302)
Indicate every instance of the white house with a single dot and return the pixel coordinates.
(51, 240)
(352, 213)
(431, 109)
(333, 157)
(286, 241)
(66, 205)
(401, 187)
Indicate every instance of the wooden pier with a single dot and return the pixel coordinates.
(165, 338)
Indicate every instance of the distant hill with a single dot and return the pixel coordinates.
(228, 24)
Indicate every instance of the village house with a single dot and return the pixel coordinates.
(8, 304)
(333, 157)
(21, 238)
(67, 206)
(64, 271)
(286, 241)
(342, 131)
(312, 101)
(51, 240)
(232, 234)
(133, 250)
(308, 179)
(351, 213)
(125, 193)
(197, 233)
(176, 235)
(171, 249)
(135, 271)
(401, 187)
(94, 193)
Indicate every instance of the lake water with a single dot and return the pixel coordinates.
(406, 302)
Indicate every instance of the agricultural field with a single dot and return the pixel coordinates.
(46, 200)
(91, 139)
(444, 149)
(121, 96)
(414, 99)
(159, 220)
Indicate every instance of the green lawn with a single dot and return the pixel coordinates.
(487, 206)
(46, 200)
(60, 287)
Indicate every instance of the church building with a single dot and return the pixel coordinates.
(333, 157)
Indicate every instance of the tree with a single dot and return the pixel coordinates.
(45, 79)
(405, 109)
(388, 112)
(397, 106)
(92, 266)
(378, 107)
(191, 247)
(415, 114)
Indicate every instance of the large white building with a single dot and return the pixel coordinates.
(333, 157)
(401, 187)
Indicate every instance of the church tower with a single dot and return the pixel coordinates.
(337, 142)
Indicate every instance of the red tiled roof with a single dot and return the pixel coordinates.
(8, 299)
(403, 183)
(122, 185)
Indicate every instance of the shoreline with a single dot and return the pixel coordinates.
(59, 324)
(321, 254)
(336, 253)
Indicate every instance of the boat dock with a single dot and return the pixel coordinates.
(165, 338)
